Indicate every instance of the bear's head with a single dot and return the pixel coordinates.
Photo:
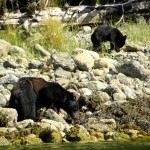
(121, 42)
(72, 106)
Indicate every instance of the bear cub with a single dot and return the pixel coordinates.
(105, 33)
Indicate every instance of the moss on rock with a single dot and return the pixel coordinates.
(78, 134)
(50, 136)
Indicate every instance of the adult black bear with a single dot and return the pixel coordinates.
(23, 97)
(105, 33)
(29, 94)
(54, 96)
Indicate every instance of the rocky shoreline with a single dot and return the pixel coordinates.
(113, 92)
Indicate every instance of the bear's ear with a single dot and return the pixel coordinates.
(125, 37)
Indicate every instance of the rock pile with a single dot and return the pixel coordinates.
(113, 92)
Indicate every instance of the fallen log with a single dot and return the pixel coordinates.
(82, 15)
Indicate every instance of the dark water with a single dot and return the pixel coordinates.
(137, 145)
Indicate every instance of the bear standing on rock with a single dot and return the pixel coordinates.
(105, 33)
(30, 94)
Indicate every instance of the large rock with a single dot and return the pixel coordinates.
(78, 134)
(104, 62)
(8, 117)
(62, 60)
(132, 69)
(101, 125)
(50, 114)
(84, 59)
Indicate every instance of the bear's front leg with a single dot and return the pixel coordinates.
(111, 47)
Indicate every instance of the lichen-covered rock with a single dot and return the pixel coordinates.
(50, 114)
(25, 124)
(50, 136)
(29, 139)
(78, 134)
(101, 125)
(4, 141)
(61, 126)
(8, 117)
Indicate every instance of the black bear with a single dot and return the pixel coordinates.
(54, 96)
(105, 33)
(29, 94)
(23, 97)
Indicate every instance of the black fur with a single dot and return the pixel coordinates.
(105, 33)
(29, 94)
(23, 99)
(55, 96)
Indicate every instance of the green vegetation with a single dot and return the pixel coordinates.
(54, 36)
(137, 33)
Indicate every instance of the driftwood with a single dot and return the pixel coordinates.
(82, 15)
(93, 14)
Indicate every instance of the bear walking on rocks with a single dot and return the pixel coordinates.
(30, 94)
(105, 33)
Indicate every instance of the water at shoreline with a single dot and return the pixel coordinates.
(134, 145)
